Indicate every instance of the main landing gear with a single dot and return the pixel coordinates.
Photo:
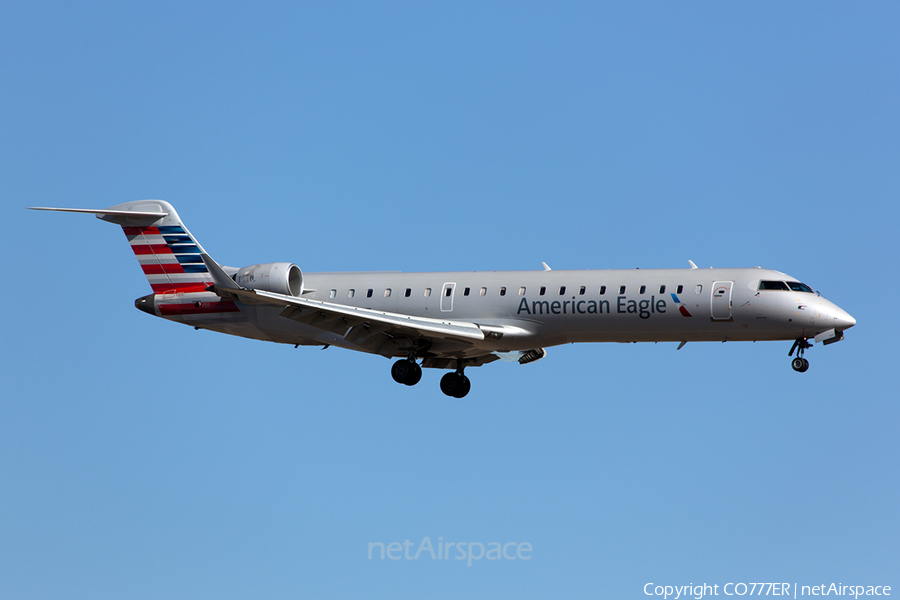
(455, 384)
(800, 364)
(408, 372)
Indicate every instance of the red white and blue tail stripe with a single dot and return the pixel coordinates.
(170, 258)
(168, 253)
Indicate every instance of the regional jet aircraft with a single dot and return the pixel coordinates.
(464, 319)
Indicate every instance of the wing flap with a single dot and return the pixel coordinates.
(322, 313)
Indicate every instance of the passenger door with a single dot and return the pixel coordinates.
(720, 303)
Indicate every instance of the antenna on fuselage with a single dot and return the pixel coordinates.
(693, 266)
(546, 266)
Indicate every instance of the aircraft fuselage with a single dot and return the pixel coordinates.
(547, 308)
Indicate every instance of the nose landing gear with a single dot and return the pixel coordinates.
(800, 364)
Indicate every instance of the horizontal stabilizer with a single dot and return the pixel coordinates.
(104, 212)
(168, 254)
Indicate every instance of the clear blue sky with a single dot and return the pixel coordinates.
(143, 459)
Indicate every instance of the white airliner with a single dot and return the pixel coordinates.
(464, 319)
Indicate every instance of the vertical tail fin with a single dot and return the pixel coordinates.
(167, 252)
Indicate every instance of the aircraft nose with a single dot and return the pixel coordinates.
(843, 320)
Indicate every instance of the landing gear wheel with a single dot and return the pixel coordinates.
(406, 372)
(467, 385)
(455, 385)
(416, 376)
(800, 364)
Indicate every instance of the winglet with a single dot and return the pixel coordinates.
(693, 266)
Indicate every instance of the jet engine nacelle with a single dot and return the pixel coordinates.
(280, 278)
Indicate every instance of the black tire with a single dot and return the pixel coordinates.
(798, 364)
(464, 388)
(451, 383)
(805, 365)
(415, 375)
(401, 371)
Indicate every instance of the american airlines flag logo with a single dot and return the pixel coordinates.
(681, 307)
(169, 257)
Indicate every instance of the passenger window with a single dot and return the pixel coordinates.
(543, 290)
(602, 290)
(581, 290)
(621, 289)
(351, 292)
(448, 291)
(503, 291)
(662, 289)
(482, 291)
(698, 289)
(369, 293)
(562, 290)
(466, 292)
(521, 291)
(679, 289)
(332, 293)
(643, 289)
(408, 292)
(387, 293)
(427, 292)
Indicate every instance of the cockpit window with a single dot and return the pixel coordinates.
(800, 287)
(773, 285)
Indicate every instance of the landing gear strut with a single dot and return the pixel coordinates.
(800, 364)
(407, 371)
(456, 385)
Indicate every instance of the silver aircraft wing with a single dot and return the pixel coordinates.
(357, 325)
(321, 314)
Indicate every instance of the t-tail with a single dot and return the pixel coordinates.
(167, 252)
